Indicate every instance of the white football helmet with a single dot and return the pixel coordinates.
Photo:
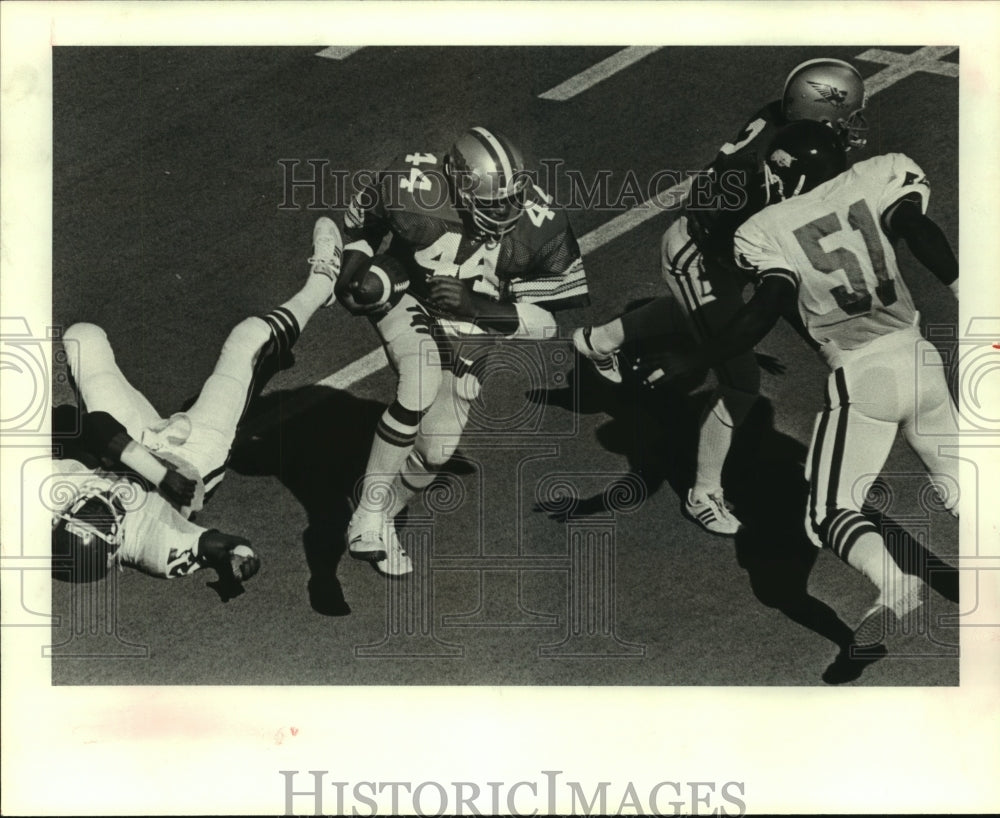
(490, 180)
(830, 91)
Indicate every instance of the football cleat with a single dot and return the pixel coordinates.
(397, 562)
(607, 366)
(712, 513)
(328, 248)
(366, 544)
(851, 662)
(891, 607)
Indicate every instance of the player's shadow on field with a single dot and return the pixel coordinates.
(657, 431)
(315, 440)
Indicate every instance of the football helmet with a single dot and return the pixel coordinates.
(489, 180)
(829, 91)
(801, 156)
(89, 532)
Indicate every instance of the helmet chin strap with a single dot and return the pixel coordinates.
(774, 182)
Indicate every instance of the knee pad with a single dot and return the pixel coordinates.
(247, 337)
(435, 448)
(83, 332)
(731, 405)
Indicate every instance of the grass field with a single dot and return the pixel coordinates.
(169, 227)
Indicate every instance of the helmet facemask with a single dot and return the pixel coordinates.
(489, 182)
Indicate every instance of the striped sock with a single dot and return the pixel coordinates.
(842, 530)
(414, 477)
(285, 330)
(394, 437)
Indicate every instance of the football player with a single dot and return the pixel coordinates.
(704, 284)
(823, 252)
(475, 246)
(136, 478)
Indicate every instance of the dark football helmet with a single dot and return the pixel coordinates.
(489, 180)
(829, 91)
(88, 533)
(801, 156)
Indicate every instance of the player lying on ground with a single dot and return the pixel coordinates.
(138, 476)
(476, 247)
(705, 286)
(823, 254)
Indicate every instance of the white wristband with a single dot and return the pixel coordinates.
(954, 288)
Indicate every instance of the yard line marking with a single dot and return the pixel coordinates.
(354, 372)
(338, 52)
(618, 61)
(619, 225)
(901, 66)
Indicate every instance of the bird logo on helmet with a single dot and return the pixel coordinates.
(829, 91)
(801, 156)
(489, 180)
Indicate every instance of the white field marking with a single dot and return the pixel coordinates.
(898, 69)
(902, 65)
(338, 52)
(618, 61)
(354, 372)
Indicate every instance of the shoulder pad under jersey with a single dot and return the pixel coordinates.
(416, 183)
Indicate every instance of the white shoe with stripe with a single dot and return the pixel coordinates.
(328, 247)
(606, 365)
(712, 513)
(397, 562)
(891, 607)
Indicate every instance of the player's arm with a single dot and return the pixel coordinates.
(774, 297)
(556, 282)
(365, 226)
(927, 242)
(452, 298)
(105, 437)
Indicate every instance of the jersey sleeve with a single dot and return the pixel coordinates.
(556, 280)
(899, 178)
(752, 139)
(759, 255)
(366, 220)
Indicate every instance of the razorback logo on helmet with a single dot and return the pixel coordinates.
(827, 93)
(782, 158)
(912, 178)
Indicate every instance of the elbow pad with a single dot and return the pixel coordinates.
(104, 436)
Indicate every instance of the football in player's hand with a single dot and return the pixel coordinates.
(382, 284)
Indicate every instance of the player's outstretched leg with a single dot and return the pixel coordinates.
(254, 350)
(705, 503)
(849, 446)
(101, 384)
(416, 359)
